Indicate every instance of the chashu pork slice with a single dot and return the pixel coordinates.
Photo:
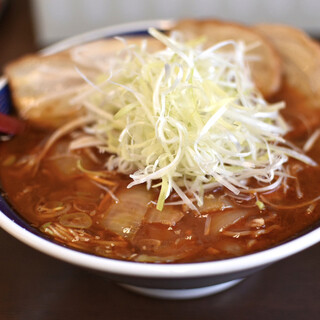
(42, 87)
(265, 66)
(300, 56)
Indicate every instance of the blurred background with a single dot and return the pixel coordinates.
(56, 19)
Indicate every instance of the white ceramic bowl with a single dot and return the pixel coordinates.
(172, 281)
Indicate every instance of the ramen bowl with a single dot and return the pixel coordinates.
(168, 281)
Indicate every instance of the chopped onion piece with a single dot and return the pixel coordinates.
(219, 221)
(212, 203)
(125, 217)
(170, 215)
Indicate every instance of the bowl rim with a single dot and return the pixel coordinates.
(146, 270)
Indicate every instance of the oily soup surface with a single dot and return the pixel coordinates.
(70, 204)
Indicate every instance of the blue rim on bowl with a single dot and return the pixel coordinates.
(164, 280)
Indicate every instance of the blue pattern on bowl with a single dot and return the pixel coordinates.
(133, 33)
(5, 101)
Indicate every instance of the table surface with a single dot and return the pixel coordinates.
(35, 286)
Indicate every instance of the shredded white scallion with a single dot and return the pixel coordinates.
(311, 141)
(190, 118)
